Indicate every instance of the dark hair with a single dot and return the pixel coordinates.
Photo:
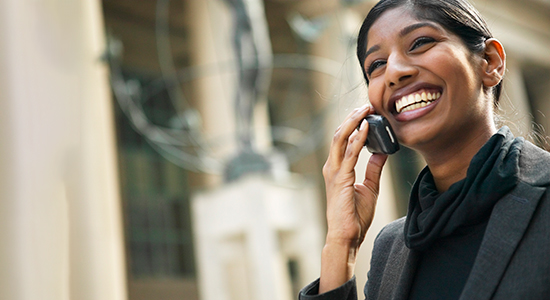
(457, 16)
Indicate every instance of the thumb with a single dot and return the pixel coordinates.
(374, 172)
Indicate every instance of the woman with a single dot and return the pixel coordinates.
(478, 225)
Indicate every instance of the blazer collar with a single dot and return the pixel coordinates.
(508, 222)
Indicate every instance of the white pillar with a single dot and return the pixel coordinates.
(213, 96)
(211, 29)
(514, 101)
(60, 220)
(541, 106)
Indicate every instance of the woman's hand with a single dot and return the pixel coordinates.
(350, 206)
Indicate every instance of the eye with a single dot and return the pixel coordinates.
(421, 42)
(375, 65)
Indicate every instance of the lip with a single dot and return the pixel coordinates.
(410, 89)
(417, 113)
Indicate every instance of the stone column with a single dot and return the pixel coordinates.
(60, 219)
(514, 102)
(540, 89)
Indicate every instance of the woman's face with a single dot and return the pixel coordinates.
(424, 80)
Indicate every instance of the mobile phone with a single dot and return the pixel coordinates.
(381, 138)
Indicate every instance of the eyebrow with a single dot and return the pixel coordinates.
(416, 26)
(402, 33)
(371, 50)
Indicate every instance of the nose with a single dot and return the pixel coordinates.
(398, 70)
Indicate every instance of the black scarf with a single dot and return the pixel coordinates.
(492, 173)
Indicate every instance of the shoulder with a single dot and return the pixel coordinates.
(534, 165)
(389, 238)
(391, 231)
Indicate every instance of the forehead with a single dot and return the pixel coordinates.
(391, 22)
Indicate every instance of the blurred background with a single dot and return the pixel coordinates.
(172, 149)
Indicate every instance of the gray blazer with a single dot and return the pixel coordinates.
(513, 261)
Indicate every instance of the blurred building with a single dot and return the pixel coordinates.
(117, 115)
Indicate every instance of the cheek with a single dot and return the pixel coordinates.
(465, 81)
(376, 91)
(459, 70)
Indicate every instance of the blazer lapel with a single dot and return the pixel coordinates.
(509, 219)
(407, 276)
(399, 274)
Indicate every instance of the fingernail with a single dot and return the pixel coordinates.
(362, 126)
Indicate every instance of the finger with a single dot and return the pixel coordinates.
(366, 107)
(355, 144)
(342, 134)
(374, 172)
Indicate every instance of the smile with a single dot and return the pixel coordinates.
(416, 100)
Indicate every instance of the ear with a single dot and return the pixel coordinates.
(494, 63)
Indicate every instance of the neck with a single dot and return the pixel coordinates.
(450, 164)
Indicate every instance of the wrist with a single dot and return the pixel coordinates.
(337, 265)
(336, 239)
(344, 251)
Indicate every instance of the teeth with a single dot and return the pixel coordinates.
(415, 101)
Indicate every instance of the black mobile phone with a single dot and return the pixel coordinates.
(381, 138)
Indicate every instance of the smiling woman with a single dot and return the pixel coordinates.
(479, 211)
(409, 57)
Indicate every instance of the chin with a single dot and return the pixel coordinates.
(416, 138)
